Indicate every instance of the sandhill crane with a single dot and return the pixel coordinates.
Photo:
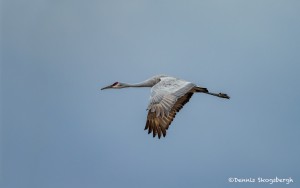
(168, 96)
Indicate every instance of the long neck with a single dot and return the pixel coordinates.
(146, 83)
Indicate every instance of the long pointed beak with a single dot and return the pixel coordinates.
(107, 87)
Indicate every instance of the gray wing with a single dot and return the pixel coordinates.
(167, 98)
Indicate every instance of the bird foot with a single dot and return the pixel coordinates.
(223, 95)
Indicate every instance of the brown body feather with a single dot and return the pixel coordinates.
(159, 124)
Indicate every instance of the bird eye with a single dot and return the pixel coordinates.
(115, 83)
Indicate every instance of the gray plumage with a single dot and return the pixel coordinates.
(168, 96)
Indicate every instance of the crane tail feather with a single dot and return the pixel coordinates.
(163, 130)
(201, 89)
(158, 131)
(150, 127)
(157, 128)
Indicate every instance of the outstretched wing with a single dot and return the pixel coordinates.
(167, 98)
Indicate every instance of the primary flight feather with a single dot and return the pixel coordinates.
(168, 96)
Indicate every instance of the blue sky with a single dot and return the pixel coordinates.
(59, 130)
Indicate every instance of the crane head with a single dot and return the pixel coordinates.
(112, 86)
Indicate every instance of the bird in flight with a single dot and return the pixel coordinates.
(168, 96)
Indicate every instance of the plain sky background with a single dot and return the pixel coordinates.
(59, 130)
